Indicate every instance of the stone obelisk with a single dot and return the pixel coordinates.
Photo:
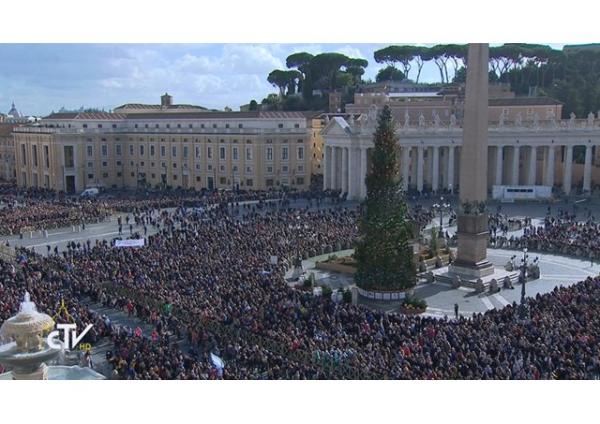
(471, 259)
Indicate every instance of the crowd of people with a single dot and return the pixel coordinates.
(212, 282)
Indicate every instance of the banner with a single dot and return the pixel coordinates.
(130, 243)
(273, 260)
(217, 362)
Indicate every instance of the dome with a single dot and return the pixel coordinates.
(14, 112)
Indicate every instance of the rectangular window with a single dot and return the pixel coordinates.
(163, 151)
(185, 152)
(118, 149)
(90, 176)
(174, 151)
(209, 152)
(152, 150)
(222, 153)
(249, 182)
(197, 152)
(105, 163)
(301, 153)
(47, 157)
(269, 153)
(35, 157)
(248, 153)
(90, 151)
(23, 155)
(104, 150)
(284, 153)
(131, 150)
(69, 156)
(141, 150)
(90, 164)
(234, 153)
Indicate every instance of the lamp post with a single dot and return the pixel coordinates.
(523, 280)
(441, 207)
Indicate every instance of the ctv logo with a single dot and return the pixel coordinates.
(70, 337)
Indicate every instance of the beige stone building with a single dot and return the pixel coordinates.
(224, 150)
(7, 153)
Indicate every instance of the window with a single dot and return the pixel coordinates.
(163, 151)
(300, 180)
(248, 170)
(90, 164)
(47, 157)
(269, 182)
(197, 152)
(234, 153)
(201, 125)
(90, 176)
(23, 155)
(119, 174)
(141, 150)
(105, 174)
(142, 163)
(168, 125)
(300, 168)
(198, 179)
(174, 165)
(190, 126)
(296, 125)
(104, 163)
(132, 174)
(69, 156)
(284, 153)
(241, 126)
(35, 157)
(269, 153)
(135, 126)
(152, 150)
(198, 167)
(178, 125)
(301, 153)
(174, 151)
(185, 152)
(99, 125)
(118, 163)
(249, 182)
(248, 153)
(226, 125)
(114, 125)
(214, 125)
(118, 149)
(269, 169)
(222, 168)
(90, 151)
(163, 164)
(284, 169)
(104, 150)
(222, 180)
(280, 125)
(131, 150)
(209, 167)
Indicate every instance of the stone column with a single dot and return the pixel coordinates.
(344, 170)
(550, 167)
(405, 165)
(435, 177)
(352, 186)
(499, 164)
(451, 169)
(420, 166)
(326, 168)
(568, 169)
(363, 173)
(514, 177)
(532, 166)
(587, 169)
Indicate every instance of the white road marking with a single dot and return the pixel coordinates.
(487, 302)
(501, 299)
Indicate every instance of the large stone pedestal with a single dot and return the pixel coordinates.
(471, 259)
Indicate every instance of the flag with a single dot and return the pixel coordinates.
(218, 364)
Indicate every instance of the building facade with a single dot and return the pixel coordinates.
(212, 150)
(563, 154)
(7, 153)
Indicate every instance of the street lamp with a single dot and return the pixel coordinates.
(441, 207)
(523, 280)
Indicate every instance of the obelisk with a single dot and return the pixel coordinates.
(471, 259)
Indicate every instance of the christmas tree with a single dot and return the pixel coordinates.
(383, 253)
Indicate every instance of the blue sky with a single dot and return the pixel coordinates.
(40, 78)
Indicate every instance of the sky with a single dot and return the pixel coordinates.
(40, 78)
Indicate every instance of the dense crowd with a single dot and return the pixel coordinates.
(208, 283)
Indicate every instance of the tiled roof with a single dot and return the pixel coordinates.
(171, 116)
(157, 107)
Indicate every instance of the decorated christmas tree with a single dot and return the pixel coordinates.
(383, 253)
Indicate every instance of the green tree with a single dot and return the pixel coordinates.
(383, 255)
(253, 105)
(389, 73)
